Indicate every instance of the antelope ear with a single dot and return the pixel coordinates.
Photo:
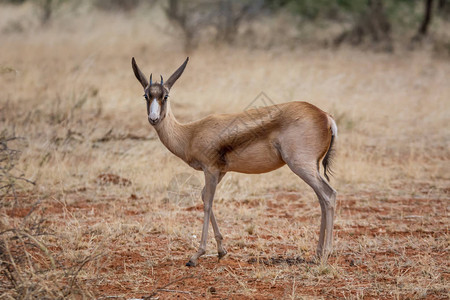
(139, 75)
(168, 84)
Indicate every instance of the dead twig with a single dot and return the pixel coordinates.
(75, 274)
(40, 245)
(8, 160)
(109, 136)
(13, 263)
(174, 291)
(155, 291)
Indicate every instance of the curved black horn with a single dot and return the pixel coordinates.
(161, 80)
(150, 79)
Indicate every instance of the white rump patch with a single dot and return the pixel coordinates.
(333, 127)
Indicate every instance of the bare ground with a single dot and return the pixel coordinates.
(384, 247)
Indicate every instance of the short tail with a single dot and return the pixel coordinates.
(328, 159)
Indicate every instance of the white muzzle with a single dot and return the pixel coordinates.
(155, 111)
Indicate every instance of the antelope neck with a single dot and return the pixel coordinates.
(173, 134)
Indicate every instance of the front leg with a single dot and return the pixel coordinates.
(217, 235)
(211, 180)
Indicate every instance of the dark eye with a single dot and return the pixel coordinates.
(165, 97)
(146, 97)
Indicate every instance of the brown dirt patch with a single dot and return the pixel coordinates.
(384, 248)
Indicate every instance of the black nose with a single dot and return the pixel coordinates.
(152, 122)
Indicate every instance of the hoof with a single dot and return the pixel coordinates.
(190, 264)
(323, 256)
(222, 254)
(319, 253)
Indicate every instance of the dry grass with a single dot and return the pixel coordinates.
(68, 89)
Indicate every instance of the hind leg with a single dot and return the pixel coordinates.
(308, 171)
(332, 206)
(327, 199)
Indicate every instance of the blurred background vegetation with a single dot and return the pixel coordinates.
(379, 25)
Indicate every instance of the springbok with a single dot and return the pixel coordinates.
(256, 141)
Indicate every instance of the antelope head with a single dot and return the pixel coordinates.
(156, 94)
